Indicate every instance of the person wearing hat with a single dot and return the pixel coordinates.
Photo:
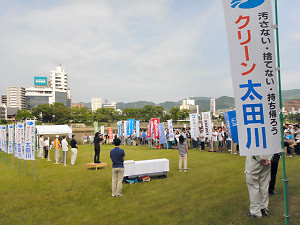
(288, 139)
(57, 149)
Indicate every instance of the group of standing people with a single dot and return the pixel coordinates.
(59, 145)
(292, 139)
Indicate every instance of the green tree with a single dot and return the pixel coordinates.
(82, 115)
(106, 115)
(43, 113)
(3, 122)
(61, 113)
(183, 113)
(174, 113)
(23, 114)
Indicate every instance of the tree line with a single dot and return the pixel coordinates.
(58, 113)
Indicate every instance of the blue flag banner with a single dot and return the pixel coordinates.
(231, 123)
(120, 133)
(137, 128)
(130, 126)
(161, 131)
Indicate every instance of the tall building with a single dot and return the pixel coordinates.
(213, 106)
(3, 112)
(96, 104)
(16, 97)
(59, 82)
(113, 105)
(48, 92)
(4, 99)
(189, 104)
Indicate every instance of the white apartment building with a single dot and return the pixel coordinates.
(48, 92)
(96, 103)
(189, 104)
(16, 97)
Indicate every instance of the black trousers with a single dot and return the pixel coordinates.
(97, 154)
(274, 167)
(288, 148)
(297, 149)
(202, 143)
(46, 152)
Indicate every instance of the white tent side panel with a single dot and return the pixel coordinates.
(53, 129)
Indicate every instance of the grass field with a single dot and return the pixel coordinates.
(212, 192)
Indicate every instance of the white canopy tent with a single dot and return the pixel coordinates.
(53, 129)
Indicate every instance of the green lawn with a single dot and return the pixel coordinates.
(212, 192)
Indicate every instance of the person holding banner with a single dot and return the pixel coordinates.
(183, 153)
(41, 146)
(258, 175)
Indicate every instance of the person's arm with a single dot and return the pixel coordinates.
(76, 146)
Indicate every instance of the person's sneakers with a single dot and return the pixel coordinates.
(264, 212)
(119, 195)
(254, 216)
(273, 193)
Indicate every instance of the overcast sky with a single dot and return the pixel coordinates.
(130, 50)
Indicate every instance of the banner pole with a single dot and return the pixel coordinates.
(13, 150)
(35, 150)
(285, 180)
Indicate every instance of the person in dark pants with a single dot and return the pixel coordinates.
(274, 167)
(98, 138)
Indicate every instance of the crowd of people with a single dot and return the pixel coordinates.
(58, 146)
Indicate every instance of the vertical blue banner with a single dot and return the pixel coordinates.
(137, 128)
(130, 126)
(120, 134)
(161, 131)
(231, 123)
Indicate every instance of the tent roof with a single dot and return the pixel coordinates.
(53, 129)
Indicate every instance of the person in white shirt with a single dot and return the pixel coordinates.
(214, 139)
(220, 139)
(64, 146)
(41, 146)
(202, 140)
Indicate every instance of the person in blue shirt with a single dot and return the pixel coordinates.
(288, 140)
(117, 156)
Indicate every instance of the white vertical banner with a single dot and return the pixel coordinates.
(194, 125)
(15, 138)
(125, 128)
(137, 128)
(253, 69)
(10, 139)
(3, 138)
(171, 132)
(206, 121)
(29, 140)
(19, 140)
(102, 130)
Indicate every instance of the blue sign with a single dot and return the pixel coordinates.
(42, 81)
(231, 123)
(248, 4)
(162, 136)
(130, 126)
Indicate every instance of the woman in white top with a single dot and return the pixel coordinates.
(64, 147)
